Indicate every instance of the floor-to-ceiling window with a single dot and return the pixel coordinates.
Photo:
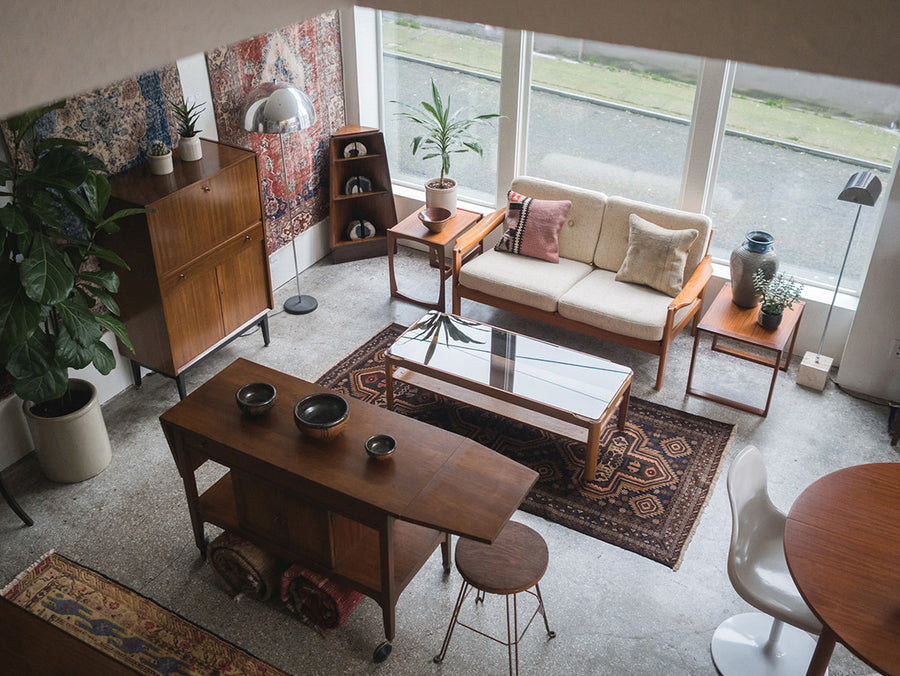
(464, 61)
(792, 141)
(610, 118)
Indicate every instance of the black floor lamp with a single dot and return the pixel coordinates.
(280, 108)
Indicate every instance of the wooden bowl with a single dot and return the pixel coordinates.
(322, 416)
(434, 218)
(255, 398)
(381, 446)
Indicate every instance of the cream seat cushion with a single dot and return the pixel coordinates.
(520, 279)
(619, 307)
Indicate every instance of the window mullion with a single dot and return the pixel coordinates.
(515, 77)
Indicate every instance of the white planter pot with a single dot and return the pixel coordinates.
(189, 148)
(441, 197)
(160, 165)
(75, 446)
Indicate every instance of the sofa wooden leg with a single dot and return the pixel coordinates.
(660, 372)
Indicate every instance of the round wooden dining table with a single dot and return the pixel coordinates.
(842, 544)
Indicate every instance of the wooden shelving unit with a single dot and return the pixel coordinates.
(375, 206)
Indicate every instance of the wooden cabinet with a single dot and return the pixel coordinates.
(375, 204)
(199, 269)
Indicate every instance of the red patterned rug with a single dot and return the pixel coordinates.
(653, 479)
(121, 623)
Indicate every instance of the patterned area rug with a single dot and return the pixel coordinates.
(653, 479)
(125, 625)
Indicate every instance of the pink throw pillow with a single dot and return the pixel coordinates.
(533, 227)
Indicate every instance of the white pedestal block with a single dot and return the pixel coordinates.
(814, 370)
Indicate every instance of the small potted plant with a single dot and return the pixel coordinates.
(775, 296)
(160, 158)
(187, 115)
(446, 132)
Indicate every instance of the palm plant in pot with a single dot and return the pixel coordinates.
(188, 115)
(446, 133)
(775, 296)
(55, 301)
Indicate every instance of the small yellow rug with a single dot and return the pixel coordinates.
(123, 624)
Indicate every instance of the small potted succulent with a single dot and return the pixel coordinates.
(446, 132)
(160, 158)
(189, 148)
(775, 296)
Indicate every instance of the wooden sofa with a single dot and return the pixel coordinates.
(580, 292)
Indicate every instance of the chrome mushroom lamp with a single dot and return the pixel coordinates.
(280, 108)
(862, 189)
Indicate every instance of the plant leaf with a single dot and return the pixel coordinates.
(79, 321)
(103, 359)
(38, 377)
(70, 353)
(59, 168)
(117, 327)
(45, 273)
(106, 279)
(13, 220)
(109, 256)
(19, 315)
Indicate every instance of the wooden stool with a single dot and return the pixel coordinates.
(515, 562)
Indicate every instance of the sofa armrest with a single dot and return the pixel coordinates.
(695, 285)
(473, 238)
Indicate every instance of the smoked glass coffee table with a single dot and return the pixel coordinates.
(509, 368)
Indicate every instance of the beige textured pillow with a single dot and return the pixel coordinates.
(655, 256)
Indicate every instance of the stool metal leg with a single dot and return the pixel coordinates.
(463, 592)
(512, 635)
(537, 589)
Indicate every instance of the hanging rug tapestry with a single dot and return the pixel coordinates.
(653, 479)
(121, 623)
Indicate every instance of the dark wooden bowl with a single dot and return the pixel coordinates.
(380, 446)
(255, 398)
(322, 416)
(434, 218)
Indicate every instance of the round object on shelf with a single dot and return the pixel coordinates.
(434, 218)
(380, 446)
(359, 228)
(357, 184)
(255, 398)
(355, 149)
(322, 416)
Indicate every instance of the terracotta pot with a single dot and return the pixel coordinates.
(75, 446)
(444, 198)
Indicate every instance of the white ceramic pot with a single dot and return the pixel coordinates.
(75, 446)
(160, 165)
(436, 196)
(189, 148)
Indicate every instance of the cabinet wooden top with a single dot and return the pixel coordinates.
(139, 186)
(435, 478)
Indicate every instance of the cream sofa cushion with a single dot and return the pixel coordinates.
(581, 229)
(613, 241)
(622, 308)
(655, 256)
(524, 280)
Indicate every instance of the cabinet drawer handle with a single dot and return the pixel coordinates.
(181, 276)
(206, 188)
(247, 238)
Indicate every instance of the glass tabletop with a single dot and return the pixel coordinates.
(526, 367)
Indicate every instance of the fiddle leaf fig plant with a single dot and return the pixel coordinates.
(446, 131)
(55, 301)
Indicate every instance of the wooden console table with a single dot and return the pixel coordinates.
(370, 524)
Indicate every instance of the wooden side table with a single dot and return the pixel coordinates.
(411, 228)
(724, 319)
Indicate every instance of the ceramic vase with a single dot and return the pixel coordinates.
(755, 252)
(75, 446)
(445, 197)
(769, 321)
(189, 148)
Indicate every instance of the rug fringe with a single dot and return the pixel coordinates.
(18, 578)
(712, 485)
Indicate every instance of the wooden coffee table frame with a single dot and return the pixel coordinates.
(724, 319)
(401, 369)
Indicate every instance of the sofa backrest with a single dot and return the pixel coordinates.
(579, 234)
(613, 241)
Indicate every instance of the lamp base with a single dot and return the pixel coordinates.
(813, 371)
(300, 305)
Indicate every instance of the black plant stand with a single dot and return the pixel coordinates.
(11, 501)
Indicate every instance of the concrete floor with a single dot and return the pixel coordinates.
(614, 612)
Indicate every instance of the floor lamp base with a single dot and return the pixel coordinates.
(300, 305)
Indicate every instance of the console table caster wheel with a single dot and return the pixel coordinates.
(382, 651)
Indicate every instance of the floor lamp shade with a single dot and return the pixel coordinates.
(280, 108)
